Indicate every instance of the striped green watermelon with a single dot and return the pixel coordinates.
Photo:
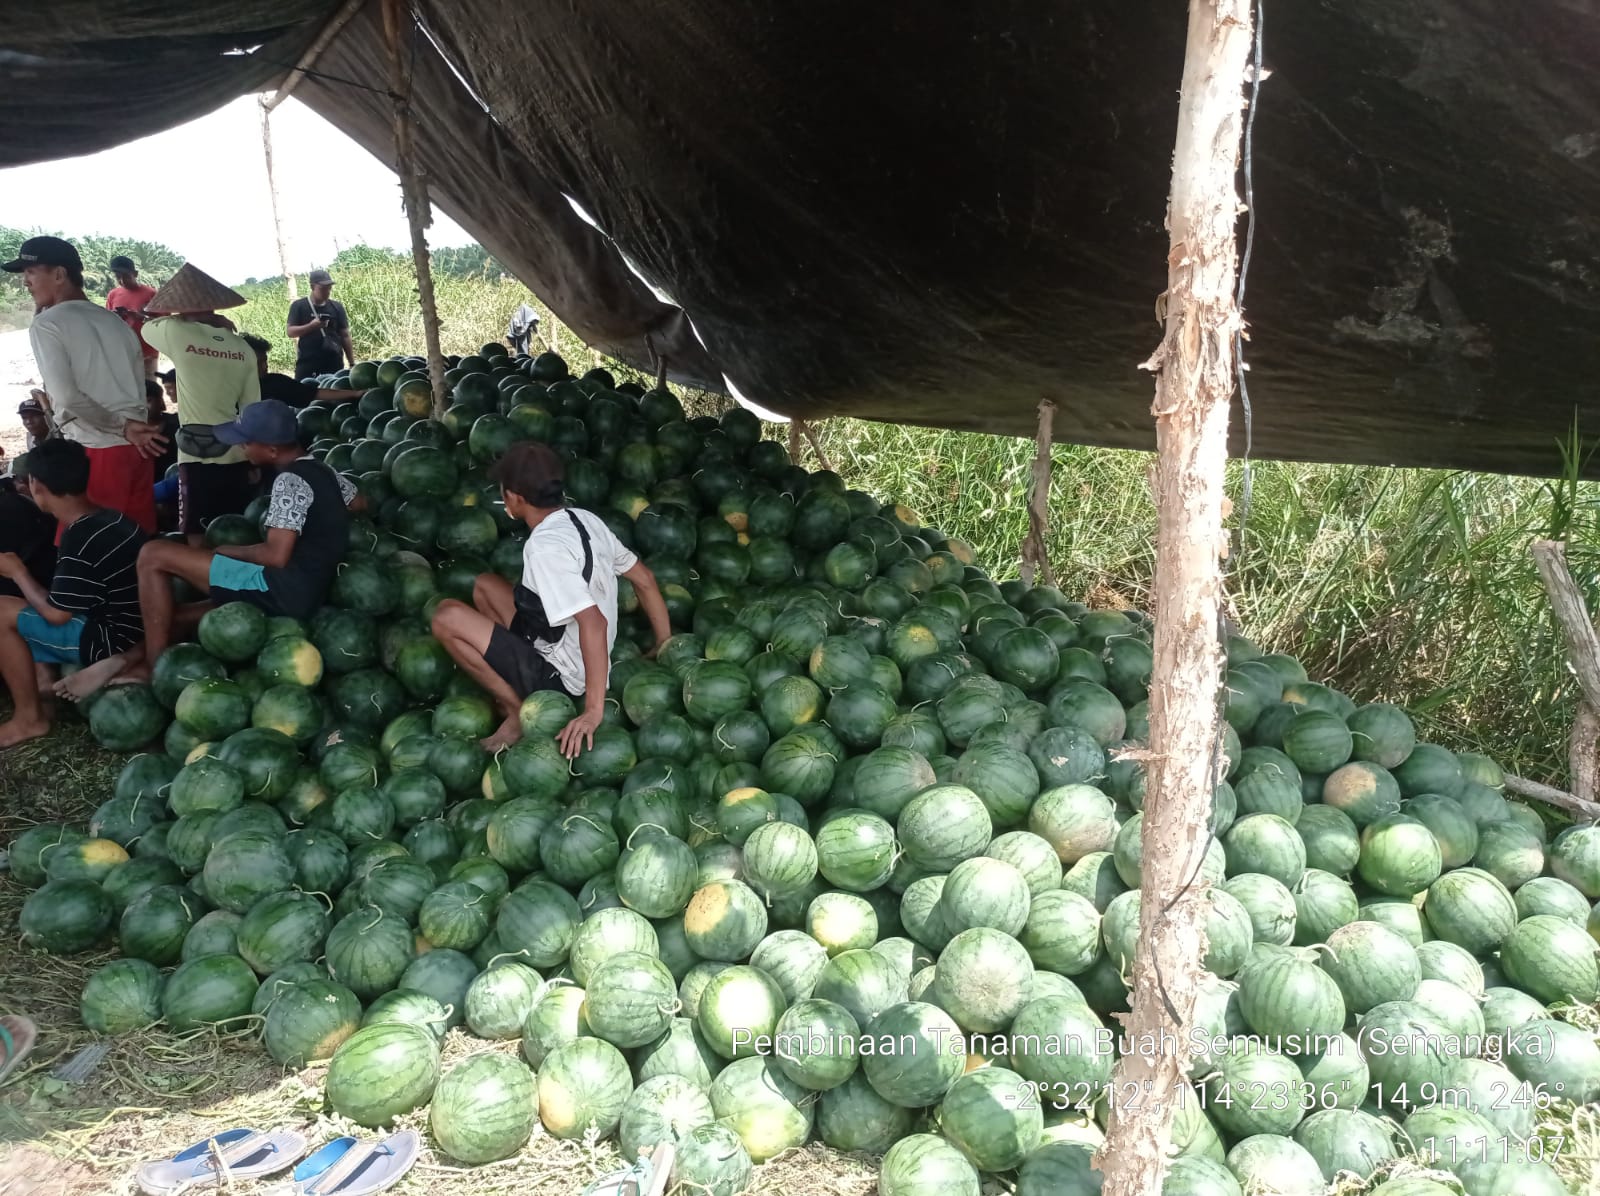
(990, 1117)
(538, 921)
(793, 960)
(1575, 858)
(556, 1017)
(1335, 1075)
(681, 1051)
(1551, 895)
(1559, 1059)
(1399, 856)
(121, 997)
(1551, 959)
(215, 933)
(607, 933)
(1254, 1090)
(922, 1164)
(984, 892)
(382, 1071)
(725, 920)
(856, 851)
(445, 975)
(863, 982)
(283, 928)
(1453, 828)
(1317, 741)
(1429, 768)
(1059, 1044)
(853, 1117)
(1346, 1140)
(212, 990)
(841, 922)
(500, 999)
(983, 979)
(65, 916)
(629, 999)
(154, 926)
(1511, 852)
(1288, 998)
(663, 1109)
(368, 952)
(944, 825)
(1076, 820)
(1446, 961)
(769, 1111)
(1269, 903)
(1266, 844)
(1408, 1077)
(814, 1044)
(655, 875)
(1372, 965)
(583, 1085)
(306, 1022)
(780, 859)
(1472, 909)
(484, 1108)
(712, 1159)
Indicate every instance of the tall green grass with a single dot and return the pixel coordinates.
(1410, 586)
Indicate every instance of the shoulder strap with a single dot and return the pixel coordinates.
(588, 552)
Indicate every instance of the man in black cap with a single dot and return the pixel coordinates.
(89, 361)
(322, 328)
(307, 527)
(556, 629)
(35, 419)
(127, 300)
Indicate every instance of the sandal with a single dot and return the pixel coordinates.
(647, 1177)
(17, 1036)
(236, 1154)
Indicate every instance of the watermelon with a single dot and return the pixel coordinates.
(630, 999)
(944, 825)
(665, 1108)
(712, 1159)
(1560, 1060)
(65, 916)
(382, 1071)
(841, 922)
(1551, 959)
(983, 979)
(768, 1111)
(1371, 964)
(1409, 1054)
(121, 997)
(1399, 856)
(1076, 820)
(282, 928)
(793, 961)
(215, 933)
(306, 1022)
(31, 850)
(1575, 858)
(368, 951)
(990, 1116)
(1265, 844)
(856, 851)
(780, 859)
(1062, 1047)
(922, 1164)
(1470, 908)
(724, 921)
(445, 975)
(124, 718)
(583, 1085)
(1510, 852)
(1429, 768)
(211, 990)
(484, 1108)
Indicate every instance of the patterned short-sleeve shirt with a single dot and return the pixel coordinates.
(291, 498)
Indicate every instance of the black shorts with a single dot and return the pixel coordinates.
(206, 491)
(520, 665)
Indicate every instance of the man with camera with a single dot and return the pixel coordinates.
(322, 328)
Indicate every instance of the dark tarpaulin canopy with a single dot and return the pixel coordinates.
(942, 214)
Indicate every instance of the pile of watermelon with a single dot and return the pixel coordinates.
(855, 858)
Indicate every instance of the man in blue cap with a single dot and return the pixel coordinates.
(307, 528)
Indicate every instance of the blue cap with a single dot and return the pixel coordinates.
(267, 422)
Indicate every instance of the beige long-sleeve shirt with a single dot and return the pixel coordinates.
(92, 369)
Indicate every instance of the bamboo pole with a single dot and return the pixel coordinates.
(1587, 811)
(397, 22)
(1195, 371)
(272, 193)
(314, 52)
(1583, 651)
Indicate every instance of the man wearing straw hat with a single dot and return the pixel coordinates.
(217, 379)
(89, 362)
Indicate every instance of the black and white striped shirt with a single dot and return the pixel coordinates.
(96, 576)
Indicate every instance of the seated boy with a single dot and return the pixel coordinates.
(556, 629)
(308, 532)
(89, 614)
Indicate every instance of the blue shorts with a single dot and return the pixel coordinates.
(229, 573)
(47, 642)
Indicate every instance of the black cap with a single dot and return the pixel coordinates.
(121, 263)
(44, 251)
(321, 276)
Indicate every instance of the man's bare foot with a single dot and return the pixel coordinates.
(90, 678)
(508, 733)
(13, 732)
(134, 674)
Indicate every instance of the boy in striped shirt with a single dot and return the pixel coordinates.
(90, 611)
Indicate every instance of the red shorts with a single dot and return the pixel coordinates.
(122, 480)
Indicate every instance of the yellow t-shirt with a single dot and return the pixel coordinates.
(217, 375)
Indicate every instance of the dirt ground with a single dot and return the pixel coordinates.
(18, 375)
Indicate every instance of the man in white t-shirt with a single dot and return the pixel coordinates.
(556, 629)
(91, 365)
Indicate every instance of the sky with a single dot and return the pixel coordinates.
(215, 210)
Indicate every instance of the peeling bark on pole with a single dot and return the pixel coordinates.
(1195, 370)
(1532, 790)
(397, 24)
(1035, 549)
(272, 194)
(1583, 651)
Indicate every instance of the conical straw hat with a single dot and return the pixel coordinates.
(190, 290)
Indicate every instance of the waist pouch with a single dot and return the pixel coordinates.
(200, 440)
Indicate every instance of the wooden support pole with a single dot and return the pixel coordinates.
(1584, 811)
(810, 434)
(397, 27)
(314, 52)
(272, 193)
(1035, 548)
(1195, 371)
(794, 440)
(1583, 651)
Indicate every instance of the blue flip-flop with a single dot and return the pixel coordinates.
(230, 1155)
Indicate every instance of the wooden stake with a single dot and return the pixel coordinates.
(1035, 550)
(1195, 369)
(272, 192)
(794, 441)
(1583, 651)
(816, 445)
(1584, 811)
(397, 23)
